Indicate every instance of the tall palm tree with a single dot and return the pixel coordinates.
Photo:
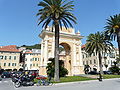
(112, 29)
(56, 13)
(99, 44)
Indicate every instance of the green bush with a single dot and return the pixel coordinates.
(114, 69)
(51, 68)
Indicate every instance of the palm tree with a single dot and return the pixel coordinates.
(112, 29)
(56, 13)
(99, 44)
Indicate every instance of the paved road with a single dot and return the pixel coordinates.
(113, 84)
(6, 84)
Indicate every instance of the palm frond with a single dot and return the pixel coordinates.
(43, 4)
(98, 43)
(49, 2)
(56, 10)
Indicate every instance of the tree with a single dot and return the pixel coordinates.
(112, 29)
(36, 46)
(56, 13)
(98, 43)
(51, 68)
(114, 69)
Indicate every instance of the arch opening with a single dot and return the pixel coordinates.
(65, 55)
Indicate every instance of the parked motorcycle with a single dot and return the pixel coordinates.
(23, 80)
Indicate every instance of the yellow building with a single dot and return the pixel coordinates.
(9, 57)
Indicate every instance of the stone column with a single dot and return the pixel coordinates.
(80, 56)
(46, 53)
(81, 67)
(74, 58)
(42, 47)
(74, 54)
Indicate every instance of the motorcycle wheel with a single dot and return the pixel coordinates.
(17, 84)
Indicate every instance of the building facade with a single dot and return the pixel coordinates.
(12, 58)
(9, 57)
(93, 60)
(32, 59)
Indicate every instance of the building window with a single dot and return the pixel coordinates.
(15, 64)
(1, 57)
(10, 57)
(8, 64)
(83, 56)
(14, 57)
(35, 59)
(83, 62)
(90, 61)
(31, 59)
(86, 62)
(30, 65)
(4, 64)
(37, 65)
(33, 64)
(94, 61)
(12, 64)
(5, 57)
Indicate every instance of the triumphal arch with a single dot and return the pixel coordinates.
(71, 55)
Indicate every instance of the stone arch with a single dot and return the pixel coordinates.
(71, 41)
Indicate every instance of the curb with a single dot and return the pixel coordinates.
(89, 81)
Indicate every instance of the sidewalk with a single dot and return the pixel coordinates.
(82, 82)
(89, 76)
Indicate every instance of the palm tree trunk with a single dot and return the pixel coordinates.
(56, 53)
(118, 41)
(100, 66)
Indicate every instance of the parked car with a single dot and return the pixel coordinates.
(5, 74)
(107, 72)
(93, 73)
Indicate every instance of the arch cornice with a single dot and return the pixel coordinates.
(46, 32)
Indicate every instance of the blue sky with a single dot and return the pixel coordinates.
(18, 21)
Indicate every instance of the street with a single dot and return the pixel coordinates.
(112, 84)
